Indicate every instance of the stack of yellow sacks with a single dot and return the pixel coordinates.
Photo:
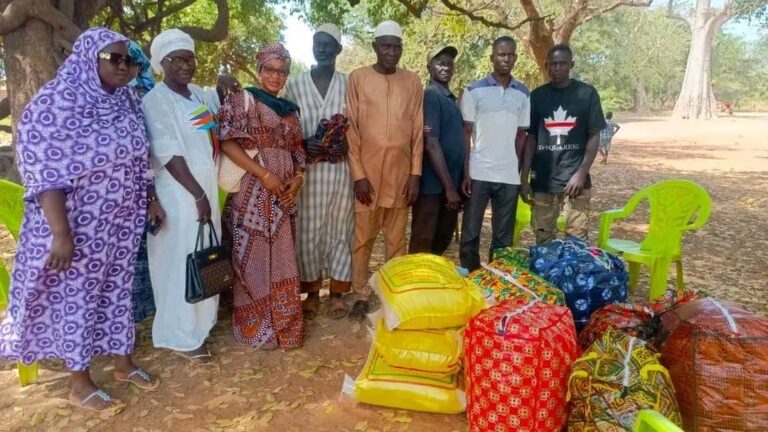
(415, 359)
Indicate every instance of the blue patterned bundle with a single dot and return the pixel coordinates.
(590, 277)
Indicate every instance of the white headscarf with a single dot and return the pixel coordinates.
(166, 43)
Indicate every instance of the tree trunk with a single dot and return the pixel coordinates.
(696, 99)
(29, 64)
(641, 98)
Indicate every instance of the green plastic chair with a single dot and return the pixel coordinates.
(523, 221)
(653, 421)
(673, 204)
(11, 214)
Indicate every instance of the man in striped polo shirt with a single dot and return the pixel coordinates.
(496, 113)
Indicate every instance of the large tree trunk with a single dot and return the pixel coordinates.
(29, 64)
(696, 99)
(641, 98)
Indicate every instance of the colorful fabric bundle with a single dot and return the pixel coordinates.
(503, 281)
(332, 133)
(517, 359)
(635, 319)
(425, 291)
(514, 256)
(590, 277)
(613, 380)
(717, 356)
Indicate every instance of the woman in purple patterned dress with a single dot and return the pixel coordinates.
(83, 155)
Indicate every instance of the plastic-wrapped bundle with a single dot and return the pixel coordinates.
(717, 356)
(424, 291)
(616, 378)
(517, 357)
(635, 319)
(431, 351)
(503, 281)
(590, 277)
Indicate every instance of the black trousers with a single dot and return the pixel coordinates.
(432, 225)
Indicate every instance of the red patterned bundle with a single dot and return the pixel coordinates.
(518, 357)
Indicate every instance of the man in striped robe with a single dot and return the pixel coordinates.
(326, 203)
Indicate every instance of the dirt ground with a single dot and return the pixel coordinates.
(300, 390)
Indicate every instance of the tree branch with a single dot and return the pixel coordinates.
(220, 28)
(615, 5)
(162, 14)
(414, 8)
(676, 16)
(13, 16)
(474, 16)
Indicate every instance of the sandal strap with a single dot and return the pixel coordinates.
(98, 393)
(141, 373)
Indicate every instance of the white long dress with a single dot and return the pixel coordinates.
(177, 127)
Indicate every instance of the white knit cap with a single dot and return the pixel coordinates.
(331, 30)
(166, 43)
(388, 28)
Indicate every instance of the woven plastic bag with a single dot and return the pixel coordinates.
(517, 358)
(635, 319)
(384, 385)
(503, 281)
(613, 380)
(430, 351)
(425, 291)
(717, 356)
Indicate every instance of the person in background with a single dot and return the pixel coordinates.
(566, 120)
(606, 136)
(436, 211)
(326, 223)
(82, 154)
(261, 217)
(184, 146)
(143, 300)
(386, 142)
(496, 114)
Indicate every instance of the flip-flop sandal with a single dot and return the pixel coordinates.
(196, 359)
(337, 308)
(140, 379)
(114, 405)
(309, 307)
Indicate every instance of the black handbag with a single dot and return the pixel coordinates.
(209, 270)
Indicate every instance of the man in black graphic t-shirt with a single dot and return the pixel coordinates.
(566, 120)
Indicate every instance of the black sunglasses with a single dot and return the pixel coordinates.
(117, 59)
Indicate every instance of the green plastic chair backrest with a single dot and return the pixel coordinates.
(673, 204)
(11, 206)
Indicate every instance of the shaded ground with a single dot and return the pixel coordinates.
(300, 391)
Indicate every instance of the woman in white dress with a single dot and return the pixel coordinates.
(183, 145)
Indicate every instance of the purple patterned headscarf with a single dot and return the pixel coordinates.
(271, 52)
(73, 127)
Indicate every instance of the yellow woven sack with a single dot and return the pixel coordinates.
(384, 385)
(430, 351)
(425, 291)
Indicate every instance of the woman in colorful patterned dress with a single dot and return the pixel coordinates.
(82, 153)
(262, 216)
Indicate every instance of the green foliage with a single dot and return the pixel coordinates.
(252, 24)
(739, 71)
(438, 28)
(633, 57)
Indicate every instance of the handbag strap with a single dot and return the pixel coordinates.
(212, 235)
